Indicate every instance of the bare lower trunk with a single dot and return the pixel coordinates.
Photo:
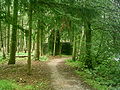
(81, 41)
(29, 38)
(38, 42)
(74, 49)
(2, 42)
(54, 49)
(88, 31)
(8, 32)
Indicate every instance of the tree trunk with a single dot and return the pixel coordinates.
(57, 51)
(54, 45)
(73, 39)
(14, 34)
(29, 38)
(74, 48)
(1, 34)
(81, 41)
(88, 31)
(2, 42)
(38, 42)
(18, 41)
(8, 31)
(41, 38)
(22, 38)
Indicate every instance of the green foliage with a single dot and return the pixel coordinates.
(21, 54)
(29, 87)
(2, 60)
(11, 85)
(43, 58)
(104, 76)
(8, 85)
(70, 16)
(88, 78)
(76, 64)
(108, 73)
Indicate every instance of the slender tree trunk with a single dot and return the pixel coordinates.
(33, 45)
(26, 43)
(29, 38)
(88, 31)
(14, 34)
(22, 38)
(41, 40)
(38, 42)
(57, 51)
(74, 45)
(2, 43)
(18, 41)
(77, 46)
(5, 39)
(8, 31)
(1, 34)
(54, 48)
(74, 49)
(81, 41)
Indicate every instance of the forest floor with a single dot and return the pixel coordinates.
(50, 75)
(63, 76)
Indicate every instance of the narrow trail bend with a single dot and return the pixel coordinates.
(60, 82)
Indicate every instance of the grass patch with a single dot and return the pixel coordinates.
(43, 58)
(12, 85)
(9, 85)
(21, 54)
(76, 64)
(3, 60)
(62, 55)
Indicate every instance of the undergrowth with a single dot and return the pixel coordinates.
(105, 76)
(12, 85)
(2, 60)
(43, 58)
(9, 85)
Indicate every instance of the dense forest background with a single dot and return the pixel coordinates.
(89, 30)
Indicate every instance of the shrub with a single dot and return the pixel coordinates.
(43, 58)
(8, 85)
(109, 70)
(105, 76)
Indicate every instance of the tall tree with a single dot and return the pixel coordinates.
(14, 34)
(37, 53)
(88, 32)
(8, 3)
(1, 33)
(29, 37)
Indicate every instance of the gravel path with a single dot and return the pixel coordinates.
(59, 81)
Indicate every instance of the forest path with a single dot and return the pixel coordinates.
(62, 80)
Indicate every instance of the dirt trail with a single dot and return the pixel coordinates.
(59, 81)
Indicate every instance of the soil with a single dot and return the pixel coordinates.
(53, 73)
(18, 72)
(64, 78)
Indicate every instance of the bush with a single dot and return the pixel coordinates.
(8, 85)
(2, 60)
(109, 70)
(76, 64)
(105, 76)
(43, 58)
